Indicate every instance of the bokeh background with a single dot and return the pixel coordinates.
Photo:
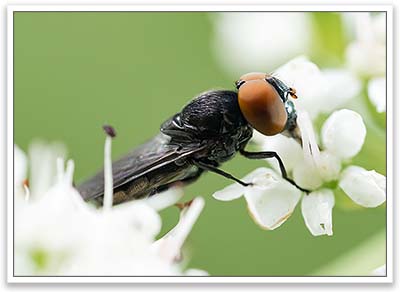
(75, 71)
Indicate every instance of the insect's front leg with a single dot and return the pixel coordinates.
(272, 154)
(209, 167)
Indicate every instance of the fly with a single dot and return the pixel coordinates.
(208, 131)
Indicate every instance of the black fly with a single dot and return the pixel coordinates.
(208, 131)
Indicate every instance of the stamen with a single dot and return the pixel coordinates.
(60, 168)
(187, 222)
(171, 243)
(310, 146)
(108, 177)
(69, 173)
(110, 131)
(184, 205)
(25, 185)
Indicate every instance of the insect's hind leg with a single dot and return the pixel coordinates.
(272, 154)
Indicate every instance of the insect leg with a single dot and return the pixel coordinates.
(212, 168)
(272, 154)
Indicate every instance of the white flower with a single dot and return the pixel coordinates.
(58, 233)
(377, 93)
(250, 41)
(319, 91)
(366, 55)
(342, 137)
(271, 199)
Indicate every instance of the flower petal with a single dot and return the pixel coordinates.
(343, 133)
(316, 208)
(329, 166)
(43, 158)
(271, 200)
(229, 193)
(306, 175)
(236, 190)
(136, 215)
(367, 58)
(340, 85)
(366, 188)
(306, 78)
(287, 148)
(165, 199)
(377, 93)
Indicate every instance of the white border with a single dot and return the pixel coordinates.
(61, 279)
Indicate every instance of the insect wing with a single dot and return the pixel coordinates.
(148, 157)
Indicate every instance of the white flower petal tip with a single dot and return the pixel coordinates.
(343, 133)
(271, 200)
(165, 199)
(377, 93)
(229, 193)
(316, 208)
(236, 190)
(366, 188)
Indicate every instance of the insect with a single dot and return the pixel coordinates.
(208, 131)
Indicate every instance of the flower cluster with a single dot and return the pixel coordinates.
(57, 233)
(318, 167)
(366, 55)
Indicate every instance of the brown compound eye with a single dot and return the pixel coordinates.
(262, 106)
(249, 77)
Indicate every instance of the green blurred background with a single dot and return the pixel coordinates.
(75, 71)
